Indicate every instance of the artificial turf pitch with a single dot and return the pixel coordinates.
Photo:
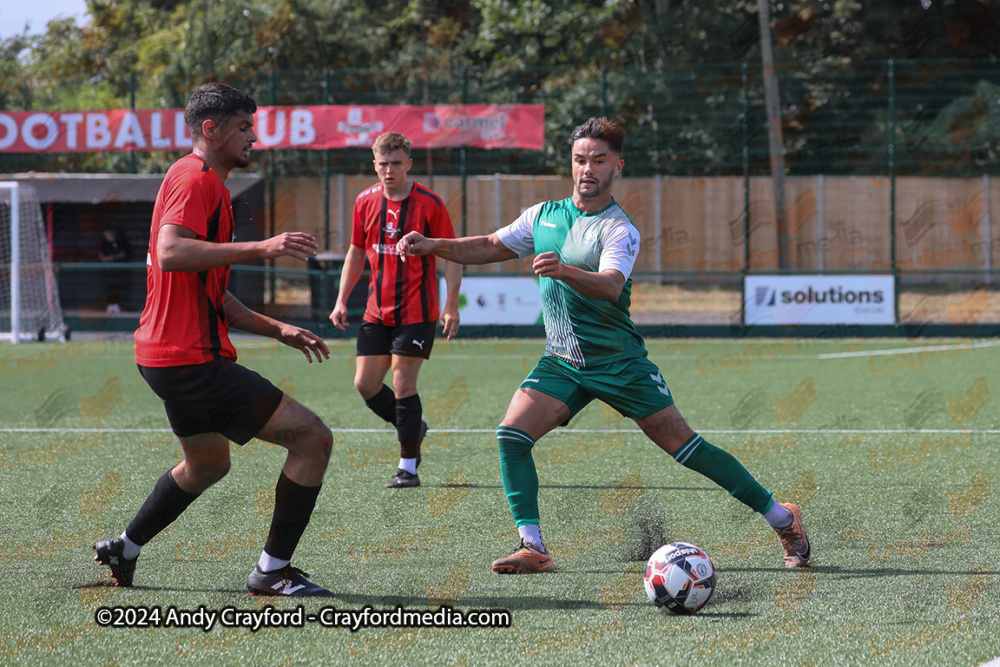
(888, 446)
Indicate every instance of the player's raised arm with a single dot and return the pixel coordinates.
(179, 249)
(467, 250)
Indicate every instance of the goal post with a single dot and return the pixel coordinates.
(29, 295)
(13, 272)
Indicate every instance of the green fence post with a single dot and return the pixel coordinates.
(131, 100)
(271, 177)
(326, 170)
(463, 164)
(746, 168)
(892, 184)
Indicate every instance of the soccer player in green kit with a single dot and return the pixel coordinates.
(585, 248)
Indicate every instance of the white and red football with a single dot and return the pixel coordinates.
(679, 577)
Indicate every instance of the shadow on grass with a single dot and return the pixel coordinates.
(708, 612)
(103, 583)
(389, 602)
(384, 601)
(159, 589)
(573, 486)
(521, 602)
(848, 573)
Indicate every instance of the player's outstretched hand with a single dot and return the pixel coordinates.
(547, 265)
(305, 340)
(414, 243)
(339, 316)
(299, 245)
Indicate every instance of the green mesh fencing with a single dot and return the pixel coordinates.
(889, 167)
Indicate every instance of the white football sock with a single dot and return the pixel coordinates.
(532, 535)
(131, 549)
(409, 465)
(269, 563)
(778, 516)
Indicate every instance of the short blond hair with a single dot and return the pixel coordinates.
(391, 142)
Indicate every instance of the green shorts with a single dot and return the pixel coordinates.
(633, 387)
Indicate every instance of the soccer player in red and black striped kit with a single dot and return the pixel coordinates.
(402, 311)
(183, 351)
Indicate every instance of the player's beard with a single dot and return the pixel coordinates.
(241, 161)
(600, 188)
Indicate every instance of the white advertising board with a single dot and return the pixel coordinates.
(819, 299)
(498, 300)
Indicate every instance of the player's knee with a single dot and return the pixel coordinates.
(208, 472)
(508, 444)
(322, 445)
(404, 385)
(360, 385)
(366, 387)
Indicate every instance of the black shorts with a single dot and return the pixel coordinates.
(406, 340)
(217, 397)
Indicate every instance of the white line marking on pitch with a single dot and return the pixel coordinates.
(819, 431)
(904, 350)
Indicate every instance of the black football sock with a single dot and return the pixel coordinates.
(409, 414)
(383, 404)
(162, 507)
(293, 505)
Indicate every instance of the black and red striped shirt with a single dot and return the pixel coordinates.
(399, 292)
(183, 322)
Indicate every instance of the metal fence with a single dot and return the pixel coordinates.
(891, 159)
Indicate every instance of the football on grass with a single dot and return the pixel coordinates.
(679, 577)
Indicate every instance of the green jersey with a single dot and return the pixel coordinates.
(581, 331)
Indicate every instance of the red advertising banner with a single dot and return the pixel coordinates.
(488, 126)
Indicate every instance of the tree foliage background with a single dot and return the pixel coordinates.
(684, 75)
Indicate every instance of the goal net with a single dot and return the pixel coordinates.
(29, 295)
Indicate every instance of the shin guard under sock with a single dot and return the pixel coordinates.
(162, 507)
(517, 470)
(293, 505)
(722, 468)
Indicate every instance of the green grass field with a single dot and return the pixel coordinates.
(891, 453)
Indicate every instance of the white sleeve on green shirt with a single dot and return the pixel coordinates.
(621, 247)
(519, 235)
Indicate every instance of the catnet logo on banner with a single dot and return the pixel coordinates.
(812, 299)
(488, 126)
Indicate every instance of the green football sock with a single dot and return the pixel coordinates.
(722, 468)
(517, 470)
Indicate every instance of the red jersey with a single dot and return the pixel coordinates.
(183, 322)
(399, 292)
